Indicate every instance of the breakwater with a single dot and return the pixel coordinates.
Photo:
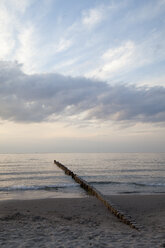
(93, 191)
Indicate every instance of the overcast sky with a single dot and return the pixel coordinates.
(82, 76)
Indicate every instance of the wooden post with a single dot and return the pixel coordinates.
(93, 191)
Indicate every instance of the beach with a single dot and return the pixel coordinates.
(82, 222)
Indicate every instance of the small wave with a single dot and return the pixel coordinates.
(143, 184)
(129, 192)
(149, 184)
(104, 182)
(27, 173)
(138, 170)
(37, 187)
(36, 178)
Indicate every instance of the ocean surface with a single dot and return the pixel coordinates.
(31, 176)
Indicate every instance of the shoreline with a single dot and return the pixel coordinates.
(82, 222)
(40, 195)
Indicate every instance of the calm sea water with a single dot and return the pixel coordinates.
(24, 176)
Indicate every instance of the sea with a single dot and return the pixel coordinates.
(35, 176)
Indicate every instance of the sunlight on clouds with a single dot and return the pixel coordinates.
(118, 52)
(128, 57)
(114, 60)
(16, 39)
(27, 51)
(117, 58)
(6, 33)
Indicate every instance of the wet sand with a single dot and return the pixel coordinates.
(82, 222)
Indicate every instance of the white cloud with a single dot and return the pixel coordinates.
(114, 60)
(6, 32)
(27, 49)
(119, 57)
(129, 56)
(27, 40)
(63, 45)
(22, 40)
(15, 41)
(93, 17)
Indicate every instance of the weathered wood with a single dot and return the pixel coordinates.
(93, 191)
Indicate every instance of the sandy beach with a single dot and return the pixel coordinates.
(82, 222)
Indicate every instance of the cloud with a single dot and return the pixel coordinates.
(63, 45)
(92, 17)
(129, 56)
(42, 43)
(27, 51)
(45, 97)
(18, 34)
(6, 37)
(115, 60)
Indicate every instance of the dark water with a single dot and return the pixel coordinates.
(35, 175)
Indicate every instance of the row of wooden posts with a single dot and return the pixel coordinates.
(93, 191)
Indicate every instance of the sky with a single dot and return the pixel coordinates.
(82, 76)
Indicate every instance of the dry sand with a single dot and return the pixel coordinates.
(82, 222)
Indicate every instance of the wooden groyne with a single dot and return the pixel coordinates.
(93, 191)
